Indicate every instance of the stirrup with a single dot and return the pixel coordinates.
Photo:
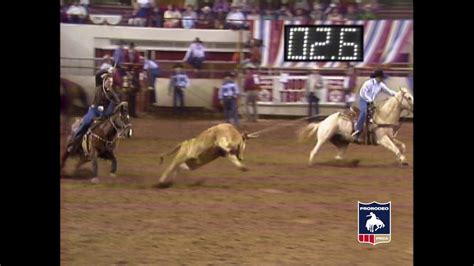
(355, 133)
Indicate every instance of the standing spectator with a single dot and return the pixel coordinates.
(313, 84)
(284, 13)
(317, 12)
(76, 13)
(106, 62)
(143, 13)
(335, 16)
(301, 4)
(119, 54)
(204, 3)
(235, 19)
(178, 83)
(206, 19)
(193, 3)
(367, 13)
(251, 88)
(351, 13)
(172, 17)
(153, 70)
(300, 16)
(254, 13)
(131, 55)
(85, 4)
(221, 6)
(228, 95)
(195, 54)
(268, 15)
(189, 17)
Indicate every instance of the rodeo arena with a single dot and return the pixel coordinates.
(187, 138)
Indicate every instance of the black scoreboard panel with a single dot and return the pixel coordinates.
(324, 43)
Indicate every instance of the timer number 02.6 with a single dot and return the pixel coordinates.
(323, 43)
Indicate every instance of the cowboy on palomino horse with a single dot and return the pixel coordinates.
(104, 97)
(368, 92)
(338, 128)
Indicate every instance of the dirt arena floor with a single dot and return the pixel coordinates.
(282, 211)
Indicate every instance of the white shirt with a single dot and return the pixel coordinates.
(144, 3)
(105, 66)
(196, 50)
(76, 10)
(371, 88)
(235, 15)
(149, 64)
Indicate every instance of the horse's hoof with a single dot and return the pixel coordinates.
(95, 180)
(405, 163)
(164, 185)
(244, 169)
(112, 175)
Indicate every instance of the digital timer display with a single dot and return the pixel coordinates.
(324, 43)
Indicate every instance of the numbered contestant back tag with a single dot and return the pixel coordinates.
(324, 43)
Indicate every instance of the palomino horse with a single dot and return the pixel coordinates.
(101, 139)
(337, 127)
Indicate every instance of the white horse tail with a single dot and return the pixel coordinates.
(307, 132)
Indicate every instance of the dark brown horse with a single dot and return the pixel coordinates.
(101, 139)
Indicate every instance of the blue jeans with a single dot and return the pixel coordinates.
(230, 110)
(153, 74)
(87, 120)
(196, 62)
(362, 115)
(93, 113)
(178, 98)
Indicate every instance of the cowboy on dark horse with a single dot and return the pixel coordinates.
(103, 104)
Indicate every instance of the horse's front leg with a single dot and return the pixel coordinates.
(113, 169)
(400, 145)
(388, 143)
(95, 166)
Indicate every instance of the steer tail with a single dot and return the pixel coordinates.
(306, 132)
(169, 152)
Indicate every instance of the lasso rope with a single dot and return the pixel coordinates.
(271, 128)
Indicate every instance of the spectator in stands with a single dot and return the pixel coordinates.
(152, 69)
(268, 15)
(206, 19)
(300, 16)
(221, 6)
(301, 4)
(179, 82)
(204, 3)
(76, 13)
(313, 84)
(189, 17)
(228, 96)
(284, 13)
(195, 54)
(85, 4)
(193, 3)
(367, 13)
(106, 62)
(235, 19)
(254, 13)
(119, 54)
(172, 17)
(351, 13)
(255, 57)
(317, 12)
(251, 89)
(335, 16)
(131, 55)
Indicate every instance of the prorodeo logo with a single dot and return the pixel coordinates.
(374, 222)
